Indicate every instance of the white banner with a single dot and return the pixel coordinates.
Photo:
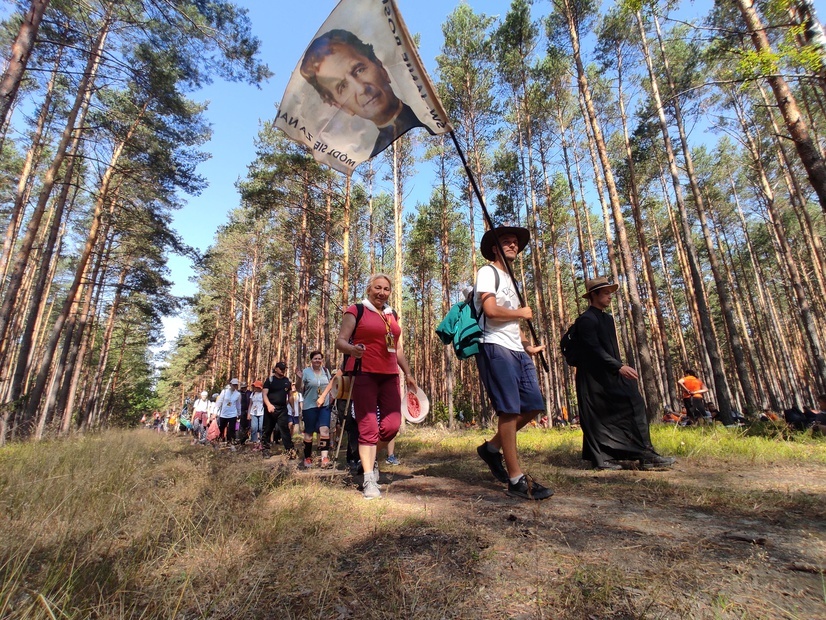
(359, 86)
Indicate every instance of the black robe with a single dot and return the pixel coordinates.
(611, 408)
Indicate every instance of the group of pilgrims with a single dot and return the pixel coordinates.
(364, 396)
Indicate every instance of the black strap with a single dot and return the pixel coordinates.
(357, 364)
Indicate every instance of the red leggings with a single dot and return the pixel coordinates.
(372, 391)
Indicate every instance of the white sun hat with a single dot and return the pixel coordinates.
(409, 409)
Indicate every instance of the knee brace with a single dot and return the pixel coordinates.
(323, 444)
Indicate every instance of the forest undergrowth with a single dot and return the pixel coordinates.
(133, 524)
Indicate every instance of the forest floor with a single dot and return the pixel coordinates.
(137, 525)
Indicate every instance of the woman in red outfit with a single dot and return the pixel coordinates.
(375, 341)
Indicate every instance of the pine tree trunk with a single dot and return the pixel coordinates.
(597, 264)
(735, 343)
(790, 263)
(106, 346)
(646, 369)
(554, 320)
(586, 273)
(21, 262)
(445, 256)
(325, 342)
(398, 263)
(721, 384)
(27, 174)
(538, 249)
(658, 324)
(21, 51)
(810, 155)
(303, 281)
(797, 198)
(104, 193)
(62, 404)
(345, 245)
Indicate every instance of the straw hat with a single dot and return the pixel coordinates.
(597, 284)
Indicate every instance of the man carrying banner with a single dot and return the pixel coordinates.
(504, 362)
(347, 75)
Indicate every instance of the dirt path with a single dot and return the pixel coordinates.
(693, 542)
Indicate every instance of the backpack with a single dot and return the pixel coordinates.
(570, 347)
(460, 327)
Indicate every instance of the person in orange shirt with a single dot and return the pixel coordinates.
(693, 390)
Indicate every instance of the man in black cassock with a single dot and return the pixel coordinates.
(611, 408)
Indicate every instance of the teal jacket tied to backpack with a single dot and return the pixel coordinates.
(460, 328)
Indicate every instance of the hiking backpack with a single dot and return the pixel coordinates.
(570, 346)
(460, 327)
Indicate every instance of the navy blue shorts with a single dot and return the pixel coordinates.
(315, 418)
(510, 380)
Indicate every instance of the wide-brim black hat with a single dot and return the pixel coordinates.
(523, 236)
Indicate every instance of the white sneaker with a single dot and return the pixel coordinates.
(370, 486)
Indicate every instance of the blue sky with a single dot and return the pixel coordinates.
(236, 110)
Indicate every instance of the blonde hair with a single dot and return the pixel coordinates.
(377, 276)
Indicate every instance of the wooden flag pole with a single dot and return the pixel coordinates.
(498, 244)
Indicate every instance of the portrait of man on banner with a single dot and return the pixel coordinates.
(358, 87)
(348, 75)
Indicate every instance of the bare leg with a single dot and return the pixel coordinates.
(367, 454)
(505, 438)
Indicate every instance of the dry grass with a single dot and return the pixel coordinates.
(136, 525)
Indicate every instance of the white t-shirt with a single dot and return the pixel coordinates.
(256, 404)
(504, 333)
(295, 409)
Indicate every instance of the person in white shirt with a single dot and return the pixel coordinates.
(200, 417)
(256, 414)
(504, 362)
(229, 410)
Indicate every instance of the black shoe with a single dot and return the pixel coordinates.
(610, 465)
(657, 462)
(494, 461)
(528, 488)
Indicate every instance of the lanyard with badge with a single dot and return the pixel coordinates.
(389, 340)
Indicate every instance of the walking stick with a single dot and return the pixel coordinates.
(356, 369)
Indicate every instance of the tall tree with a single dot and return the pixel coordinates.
(21, 51)
(807, 150)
